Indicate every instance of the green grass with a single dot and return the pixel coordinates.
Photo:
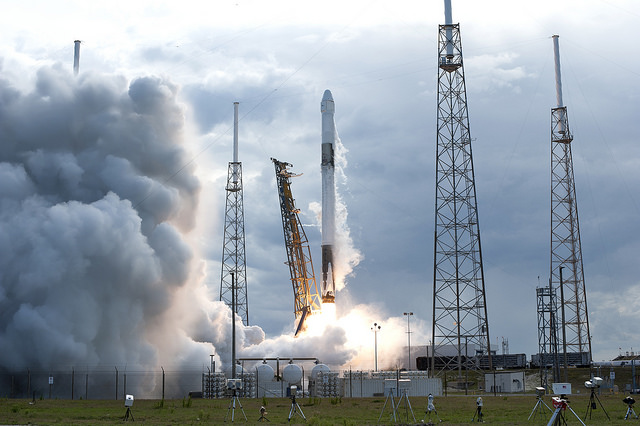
(498, 410)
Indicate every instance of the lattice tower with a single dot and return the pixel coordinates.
(460, 324)
(233, 247)
(547, 335)
(305, 290)
(566, 250)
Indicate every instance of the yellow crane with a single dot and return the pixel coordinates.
(305, 291)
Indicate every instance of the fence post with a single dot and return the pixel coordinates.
(116, 382)
(73, 377)
(86, 386)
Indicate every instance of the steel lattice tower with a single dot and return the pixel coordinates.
(233, 254)
(459, 303)
(566, 251)
(547, 334)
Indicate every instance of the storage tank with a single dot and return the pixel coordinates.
(292, 374)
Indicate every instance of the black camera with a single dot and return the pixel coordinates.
(629, 400)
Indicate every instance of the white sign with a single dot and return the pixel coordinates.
(50, 380)
(612, 375)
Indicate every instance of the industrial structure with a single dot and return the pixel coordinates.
(327, 108)
(547, 307)
(306, 299)
(233, 279)
(459, 304)
(566, 273)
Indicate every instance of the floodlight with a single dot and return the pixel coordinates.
(128, 401)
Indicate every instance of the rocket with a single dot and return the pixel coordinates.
(327, 108)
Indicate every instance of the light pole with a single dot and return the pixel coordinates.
(408, 314)
(375, 329)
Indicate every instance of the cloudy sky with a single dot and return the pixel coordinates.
(379, 60)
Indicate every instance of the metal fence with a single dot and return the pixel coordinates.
(99, 384)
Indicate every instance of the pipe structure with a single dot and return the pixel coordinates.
(448, 21)
(556, 57)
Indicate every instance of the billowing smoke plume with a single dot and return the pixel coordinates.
(95, 200)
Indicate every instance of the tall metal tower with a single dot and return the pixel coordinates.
(460, 326)
(566, 251)
(233, 254)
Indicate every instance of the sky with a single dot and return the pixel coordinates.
(157, 84)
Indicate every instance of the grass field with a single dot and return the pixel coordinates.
(453, 410)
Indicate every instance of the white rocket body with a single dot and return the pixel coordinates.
(327, 107)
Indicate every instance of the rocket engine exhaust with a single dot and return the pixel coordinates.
(327, 108)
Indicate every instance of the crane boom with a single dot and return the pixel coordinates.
(305, 291)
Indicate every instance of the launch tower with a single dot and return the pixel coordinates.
(234, 266)
(306, 299)
(566, 252)
(460, 326)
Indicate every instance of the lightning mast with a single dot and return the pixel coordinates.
(566, 251)
(306, 299)
(460, 326)
(233, 278)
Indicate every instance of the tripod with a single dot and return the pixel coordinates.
(407, 405)
(592, 405)
(431, 408)
(232, 407)
(128, 414)
(263, 415)
(537, 409)
(557, 418)
(393, 405)
(295, 408)
(630, 411)
(478, 412)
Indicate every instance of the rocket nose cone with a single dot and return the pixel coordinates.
(327, 104)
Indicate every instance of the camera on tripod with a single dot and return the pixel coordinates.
(234, 384)
(594, 383)
(629, 401)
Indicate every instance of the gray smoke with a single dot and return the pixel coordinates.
(92, 220)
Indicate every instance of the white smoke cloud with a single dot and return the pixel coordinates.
(93, 219)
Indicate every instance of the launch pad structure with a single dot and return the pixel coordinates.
(233, 278)
(566, 268)
(459, 302)
(305, 290)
